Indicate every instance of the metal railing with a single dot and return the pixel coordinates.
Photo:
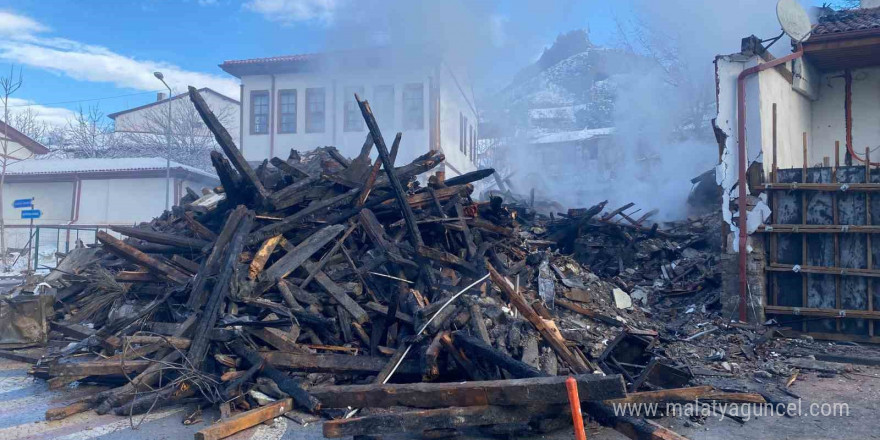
(54, 239)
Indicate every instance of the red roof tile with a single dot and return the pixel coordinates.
(853, 20)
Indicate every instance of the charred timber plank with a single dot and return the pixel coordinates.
(211, 312)
(448, 260)
(296, 257)
(339, 294)
(292, 194)
(133, 255)
(445, 418)
(229, 179)
(336, 363)
(513, 392)
(99, 368)
(292, 221)
(226, 143)
(477, 349)
(587, 312)
(190, 266)
(278, 338)
(486, 225)
(479, 323)
(262, 256)
(374, 173)
(197, 227)
(422, 199)
(379, 308)
(470, 177)
(245, 420)
(161, 237)
(546, 328)
(288, 168)
(212, 262)
(285, 383)
(415, 237)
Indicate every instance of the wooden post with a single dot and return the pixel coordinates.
(804, 262)
(245, 420)
(870, 256)
(836, 219)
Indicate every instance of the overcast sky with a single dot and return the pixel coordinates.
(81, 53)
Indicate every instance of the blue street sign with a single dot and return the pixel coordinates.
(23, 203)
(31, 213)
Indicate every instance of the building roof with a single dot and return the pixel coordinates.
(352, 60)
(277, 64)
(175, 97)
(848, 21)
(133, 165)
(572, 136)
(21, 139)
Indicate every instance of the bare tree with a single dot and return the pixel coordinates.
(9, 152)
(87, 135)
(191, 140)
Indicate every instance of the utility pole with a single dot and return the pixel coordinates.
(161, 77)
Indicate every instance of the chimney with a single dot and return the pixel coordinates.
(869, 3)
(161, 95)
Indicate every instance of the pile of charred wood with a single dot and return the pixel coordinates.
(319, 285)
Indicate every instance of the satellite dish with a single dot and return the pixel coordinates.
(794, 20)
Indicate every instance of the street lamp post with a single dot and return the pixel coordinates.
(161, 77)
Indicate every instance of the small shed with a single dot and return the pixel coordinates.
(87, 194)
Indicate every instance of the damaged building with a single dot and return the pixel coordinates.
(798, 148)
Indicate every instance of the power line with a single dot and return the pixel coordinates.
(84, 100)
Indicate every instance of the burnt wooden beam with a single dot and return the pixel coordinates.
(339, 294)
(336, 363)
(212, 261)
(470, 177)
(239, 422)
(433, 419)
(124, 251)
(285, 383)
(99, 368)
(512, 392)
(547, 328)
(298, 255)
(292, 194)
(211, 312)
(197, 227)
(477, 349)
(292, 221)
(415, 237)
(161, 237)
(226, 143)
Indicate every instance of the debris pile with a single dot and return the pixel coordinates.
(321, 287)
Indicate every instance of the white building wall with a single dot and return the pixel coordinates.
(414, 142)
(793, 113)
(121, 201)
(456, 101)
(828, 118)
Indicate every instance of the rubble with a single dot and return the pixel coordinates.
(316, 284)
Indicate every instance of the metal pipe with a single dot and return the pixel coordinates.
(743, 164)
(847, 111)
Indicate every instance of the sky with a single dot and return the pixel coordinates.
(76, 54)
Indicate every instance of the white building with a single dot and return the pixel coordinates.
(307, 101)
(92, 193)
(151, 118)
(19, 146)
